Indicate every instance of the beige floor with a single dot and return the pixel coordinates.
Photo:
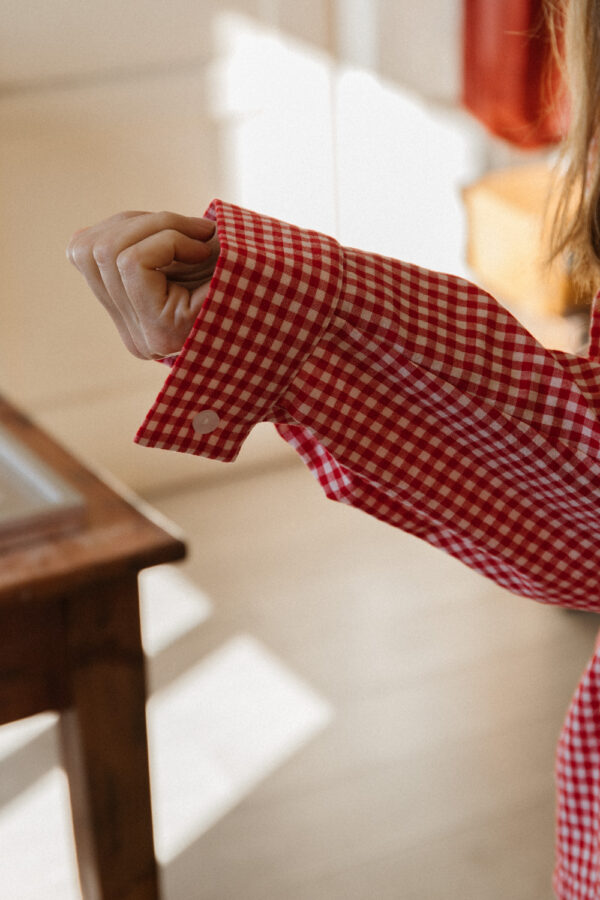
(337, 712)
(433, 777)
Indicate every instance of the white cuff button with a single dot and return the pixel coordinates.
(206, 421)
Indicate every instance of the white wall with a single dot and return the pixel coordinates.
(310, 111)
(414, 45)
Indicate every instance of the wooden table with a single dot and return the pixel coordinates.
(70, 642)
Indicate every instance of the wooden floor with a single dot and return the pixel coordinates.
(434, 776)
(350, 714)
(337, 712)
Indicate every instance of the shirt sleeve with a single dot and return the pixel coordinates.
(411, 394)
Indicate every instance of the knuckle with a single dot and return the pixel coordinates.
(78, 236)
(165, 219)
(102, 253)
(127, 260)
(70, 252)
(79, 254)
(71, 247)
(162, 343)
(134, 343)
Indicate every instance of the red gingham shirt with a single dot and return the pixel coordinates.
(416, 397)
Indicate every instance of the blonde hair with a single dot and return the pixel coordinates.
(575, 209)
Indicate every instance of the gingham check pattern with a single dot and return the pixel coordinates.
(416, 397)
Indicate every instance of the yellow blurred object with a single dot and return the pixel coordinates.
(505, 241)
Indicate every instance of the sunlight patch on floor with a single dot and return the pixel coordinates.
(36, 841)
(15, 735)
(170, 606)
(213, 735)
(218, 731)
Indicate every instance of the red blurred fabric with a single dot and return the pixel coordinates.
(511, 82)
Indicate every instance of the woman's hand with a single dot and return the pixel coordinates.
(151, 271)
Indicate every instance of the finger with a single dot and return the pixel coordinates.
(94, 251)
(169, 333)
(197, 273)
(128, 229)
(95, 283)
(80, 254)
(162, 306)
(87, 235)
(142, 266)
(124, 235)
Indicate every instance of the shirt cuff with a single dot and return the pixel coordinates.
(271, 299)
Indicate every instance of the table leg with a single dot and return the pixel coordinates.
(104, 743)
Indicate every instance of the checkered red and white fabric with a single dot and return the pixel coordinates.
(418, 398)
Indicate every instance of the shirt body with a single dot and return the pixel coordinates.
(416, 397)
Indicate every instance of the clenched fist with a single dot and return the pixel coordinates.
(151, 271)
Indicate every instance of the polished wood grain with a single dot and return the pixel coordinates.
(103, 737)
(71, 642)
(122, 533)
